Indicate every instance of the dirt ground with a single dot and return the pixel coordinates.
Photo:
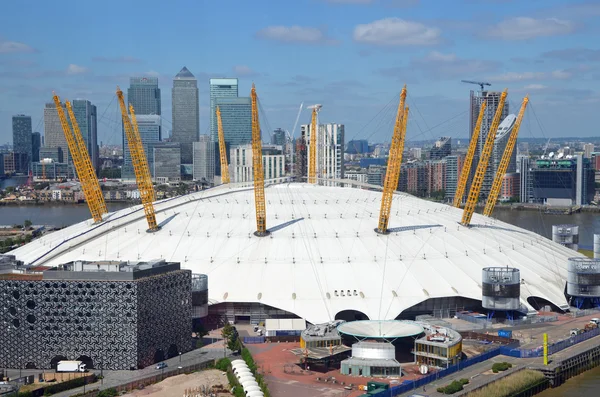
(178, 385)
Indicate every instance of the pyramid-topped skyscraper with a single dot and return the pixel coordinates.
(186, 117)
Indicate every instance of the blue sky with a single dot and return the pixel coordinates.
(352, 56)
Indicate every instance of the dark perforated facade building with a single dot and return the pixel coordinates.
(110, 315)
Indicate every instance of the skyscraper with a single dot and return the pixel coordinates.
(278, 137)
(22, 142)
(85, 114)
(204, 159)
(236, 117)
(186, 119)
(149, 127)
(54, 137)
(492, 101)
(220, 88)
(330, 151)
(143, 93)
(36, 144)
(441, 149)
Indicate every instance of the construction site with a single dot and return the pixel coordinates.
(369, 260)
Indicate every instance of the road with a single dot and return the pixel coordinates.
(116, 378)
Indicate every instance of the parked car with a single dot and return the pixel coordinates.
(161, 365)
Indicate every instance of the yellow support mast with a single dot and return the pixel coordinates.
(79, 163)
(139, 161)
(394, 162)
(483, 163)
(257, 165)
(312, 160)
(466, 170)
(508, 151)
(222, 149)
(97, 197)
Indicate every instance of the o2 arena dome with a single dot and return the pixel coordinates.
(322, 260)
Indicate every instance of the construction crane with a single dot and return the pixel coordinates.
(508, 151)
(483, 163)
(139, 161)
(257, 165)
(90, 174)
(79, 162)
(466, 170)
(394, 162)
(291, 138)
(222, 149)
(479, 83)
(312, 160)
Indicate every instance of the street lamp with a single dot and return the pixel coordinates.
(179, 357)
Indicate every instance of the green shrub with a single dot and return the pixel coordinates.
(464, 381)
(112, 392)
(455, 386)
(223, 364)
(501, 367)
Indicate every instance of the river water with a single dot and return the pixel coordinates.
(586, 384)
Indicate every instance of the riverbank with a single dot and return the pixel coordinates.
(58, 203)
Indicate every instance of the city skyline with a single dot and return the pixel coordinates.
(545, 49)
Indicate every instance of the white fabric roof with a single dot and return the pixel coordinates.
(323, 255)
(285, 324)
(380, 329)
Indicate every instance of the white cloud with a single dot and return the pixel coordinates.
(396, 32)
(76, 69)
(438, 56)
(511, 77)
(524, 28)
(294, 34)
(535, 87)
(14, 47)
(243, 70)
(119, 59)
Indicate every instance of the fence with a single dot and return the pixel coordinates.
(412, 385)
(254, 339)
(585, 312)
(482, 321)
(552, 348)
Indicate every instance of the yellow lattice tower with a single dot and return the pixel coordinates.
(222, 149)
(392, 174)
(139, 162)
(483, 163)
(257, 164)
(78, 162)
(508, 151)
(90, 175)
(312, 159)
(466, 170)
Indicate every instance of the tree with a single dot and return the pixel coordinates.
(27, 223)
(227, 331)
(234, 344)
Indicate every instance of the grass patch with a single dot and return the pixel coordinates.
(588, 253)
(510, 385)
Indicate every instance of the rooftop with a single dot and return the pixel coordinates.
(184, 74)
(380, 329)
(322, 256)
